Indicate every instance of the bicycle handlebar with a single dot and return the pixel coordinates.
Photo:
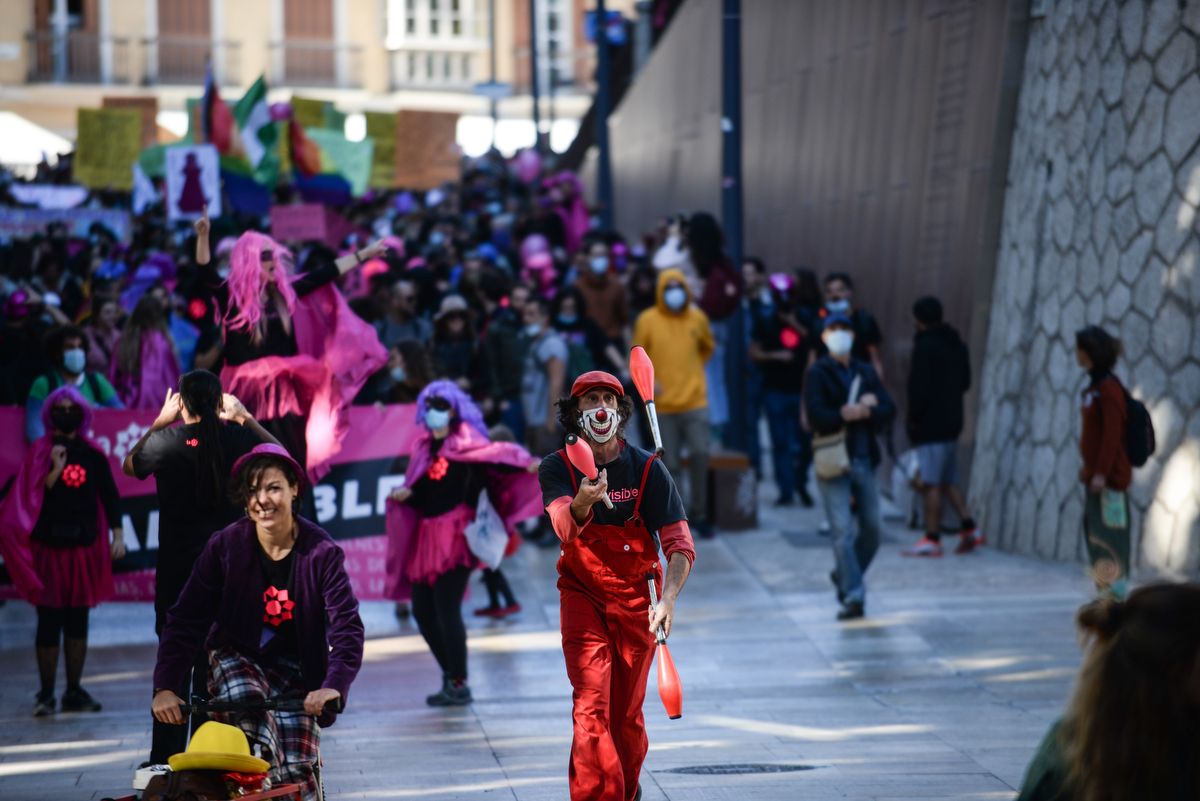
(283, 703)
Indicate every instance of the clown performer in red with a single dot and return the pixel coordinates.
(606, 556)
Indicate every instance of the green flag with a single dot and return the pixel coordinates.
(352, 160)
(257, 132)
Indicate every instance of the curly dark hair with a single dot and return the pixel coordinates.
(568, 414)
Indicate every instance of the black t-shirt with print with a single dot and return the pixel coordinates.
(661, 506)
(68, 517)
(279, 606)
(186, 520)
(773, 335)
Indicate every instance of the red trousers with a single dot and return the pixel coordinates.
(609, 650)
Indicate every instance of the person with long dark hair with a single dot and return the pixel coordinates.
(145, 363)
(1106, 472)
(59, 533)
(1129, 731)
(719, 300)
(452, 463)
(190, 464)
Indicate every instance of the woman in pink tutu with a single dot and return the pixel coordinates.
(452, 463)
(145, 364)
(59, 534)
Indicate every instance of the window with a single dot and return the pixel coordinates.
(554, 44)
(410, 17)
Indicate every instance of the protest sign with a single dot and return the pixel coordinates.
(24, 223)
(106, 146)
(146, 106)
(350, 501)
(48, 196)
(381, 129)
(305, 222)
(426, 151)
(193, 180)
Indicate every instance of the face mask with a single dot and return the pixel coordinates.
(437, 418)
(66, 419)
(838, 306)
(74, 360)
(675, 298)
(839, 342)
(568, 319)
(533, 329)
(223, 271)
(436, 238)
(599, 265)
(398, 374)
(493, 209)
(600, 424)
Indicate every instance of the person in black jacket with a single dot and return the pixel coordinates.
(827, 399)
(939, 377)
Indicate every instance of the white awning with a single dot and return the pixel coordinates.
(24, 144)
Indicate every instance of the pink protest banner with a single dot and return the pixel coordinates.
(349, 501)
(304, 222)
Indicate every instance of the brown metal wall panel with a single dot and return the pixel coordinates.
(870, 135)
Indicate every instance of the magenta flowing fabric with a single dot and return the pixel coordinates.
(337, 353)
(158, 371)
(516, 495)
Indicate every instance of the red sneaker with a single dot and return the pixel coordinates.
(489, 611)
(505, 611)
(924, 547)
(966, 543)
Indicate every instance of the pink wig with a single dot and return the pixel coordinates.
(248, 281)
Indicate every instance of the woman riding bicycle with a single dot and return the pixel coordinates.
(272, 596)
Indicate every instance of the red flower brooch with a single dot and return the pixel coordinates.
(74, 476)
(278, 607)
(437, 470)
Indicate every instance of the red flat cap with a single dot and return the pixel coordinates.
(596, 378)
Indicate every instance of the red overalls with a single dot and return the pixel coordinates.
(608, 648)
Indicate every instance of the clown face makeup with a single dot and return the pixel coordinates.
(600, 424)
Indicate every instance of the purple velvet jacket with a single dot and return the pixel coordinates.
(221, 604)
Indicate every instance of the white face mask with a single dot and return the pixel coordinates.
(675, 298)
(839, 342)
(600, 424)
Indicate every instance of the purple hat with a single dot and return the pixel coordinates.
(268, 449)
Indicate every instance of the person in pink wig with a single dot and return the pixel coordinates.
(428, 561)
(292, 349)
(145, 364)
(59, 533)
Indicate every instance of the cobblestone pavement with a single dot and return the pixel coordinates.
(943, 692)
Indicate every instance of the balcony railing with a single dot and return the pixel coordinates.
(78, 57)
(434, 69)
(316, 63)
(185, 59)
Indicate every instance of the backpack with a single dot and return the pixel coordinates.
(1139, 431)
(54, 381)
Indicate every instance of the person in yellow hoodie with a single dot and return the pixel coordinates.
(679, 340)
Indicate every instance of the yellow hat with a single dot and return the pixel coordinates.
(218, 746)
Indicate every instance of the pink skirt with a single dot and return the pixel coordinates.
(440, 546)
(78, 576)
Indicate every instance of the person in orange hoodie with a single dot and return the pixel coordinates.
(678, 339)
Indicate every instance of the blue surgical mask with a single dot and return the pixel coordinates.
(74, 360)
(436, 238)
(533, 329)
(838, 306)
(568, 319)
(398, 375)
(675, 298)
(437, 418)
(599, 265)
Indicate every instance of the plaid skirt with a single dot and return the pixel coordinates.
(290, 741)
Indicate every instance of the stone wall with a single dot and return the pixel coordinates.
(1099, 227)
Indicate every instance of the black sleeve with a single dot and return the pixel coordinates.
(106, 487)
(966, 366)
(150, 458)
(870, 333)
(920, 385)
(886, 410)
(662, 504)
(555, 480)
(315, 279)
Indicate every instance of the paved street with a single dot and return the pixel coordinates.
(942, 693)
